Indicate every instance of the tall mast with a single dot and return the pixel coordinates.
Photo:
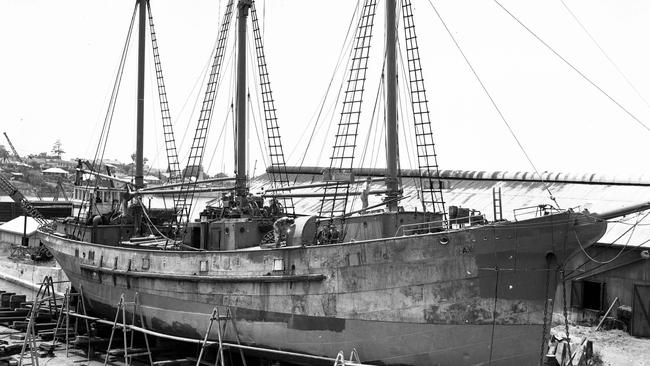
(139, 149)
(240, 183)
(391, 108)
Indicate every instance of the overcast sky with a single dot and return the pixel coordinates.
(59, 60)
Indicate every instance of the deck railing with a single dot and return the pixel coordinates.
(440, 225)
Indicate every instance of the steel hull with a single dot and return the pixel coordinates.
(479, 296)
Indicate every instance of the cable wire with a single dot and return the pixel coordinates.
(574, 68)
(494, 104)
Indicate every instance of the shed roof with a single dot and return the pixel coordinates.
(473, 189)
(17, 226)
(55, 171)
(151, 178)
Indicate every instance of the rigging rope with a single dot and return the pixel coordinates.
(108, 119)
(262, 145)
(185, 199)
(218, 141)
(620, 72)
(494, 312)
(411, 132)
(574, 272)
(573, 67)
(168, 128)
(494, 104)
(335, 198)
(631, 230)
(365, 148)
(347, 43)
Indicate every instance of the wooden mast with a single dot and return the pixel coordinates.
(391, 108)
(241, 189)
(139, 149)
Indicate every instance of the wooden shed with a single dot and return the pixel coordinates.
(12, 232)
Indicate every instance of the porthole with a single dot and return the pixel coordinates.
(444, 240)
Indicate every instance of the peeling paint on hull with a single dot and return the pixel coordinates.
(415, 300)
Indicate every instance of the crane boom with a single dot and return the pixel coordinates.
(13, 148)
(7, 188)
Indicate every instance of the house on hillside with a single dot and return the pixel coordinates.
(55, 173)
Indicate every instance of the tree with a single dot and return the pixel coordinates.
(4, 154)
(144, 159)
(57, 150)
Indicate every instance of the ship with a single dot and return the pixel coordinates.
(443, 286)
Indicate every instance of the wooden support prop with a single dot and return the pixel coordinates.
(605, 316)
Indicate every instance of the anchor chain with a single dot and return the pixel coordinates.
(546, 303)
(566, 317)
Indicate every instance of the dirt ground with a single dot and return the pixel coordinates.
(613, 347)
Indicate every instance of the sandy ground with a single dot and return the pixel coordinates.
(615, 347)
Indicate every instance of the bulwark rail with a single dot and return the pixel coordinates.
(439, 225)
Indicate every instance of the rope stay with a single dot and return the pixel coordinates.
(587, 79)
(611, 61)
(183, 202)
(108, 119)
(430, 184)
(335, 197)
(279, 176)
(320, 114)
(173, 166)
(494, 104)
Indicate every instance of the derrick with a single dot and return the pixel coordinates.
(7, 188)
(13, 149)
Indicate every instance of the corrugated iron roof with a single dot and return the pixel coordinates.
(17, 226)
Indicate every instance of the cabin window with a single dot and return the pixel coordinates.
(76, 253)
(278, 264)
(145, 263)
(203, 266)
(91, 255)
(354, 259)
